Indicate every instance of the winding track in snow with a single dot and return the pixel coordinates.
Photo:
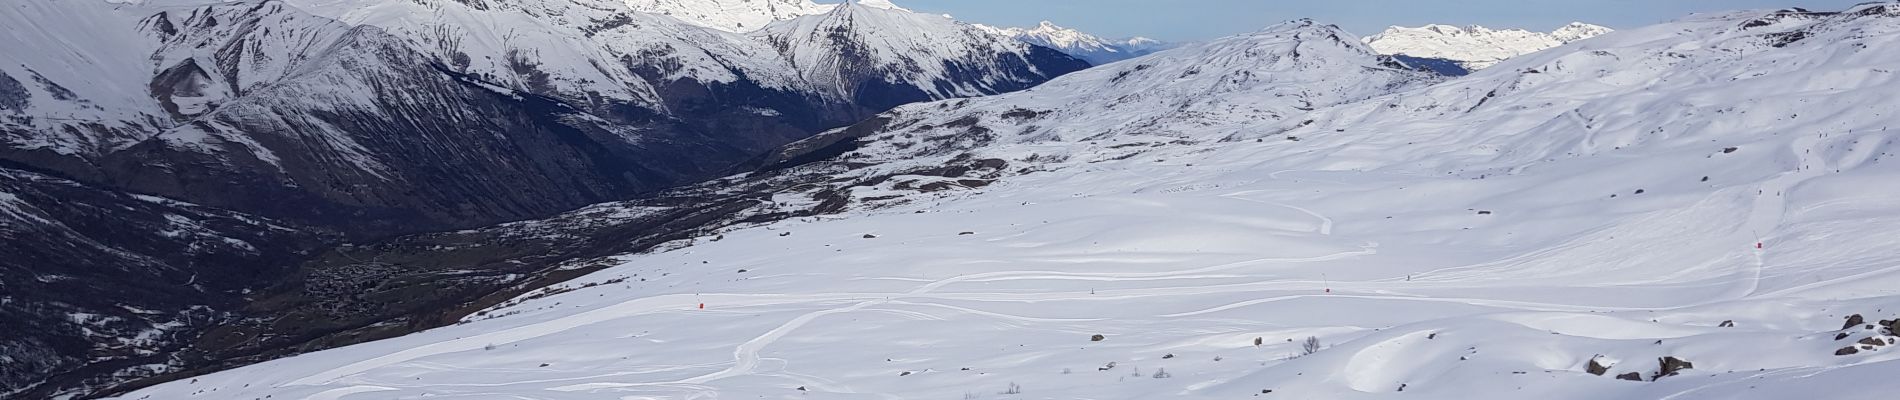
(746, 355)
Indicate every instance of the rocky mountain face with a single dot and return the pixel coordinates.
(108, 286)
(1091, 48)
(1475, 47)
(883, 57)
(359, 120)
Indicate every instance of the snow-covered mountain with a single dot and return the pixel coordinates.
(1476, 47)
(1091, 48)
(363, 119)
(884, 57)
(1697, 209)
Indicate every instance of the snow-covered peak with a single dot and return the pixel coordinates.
(1275, 74)
(1579, 31)
(1064, 37)
(1476, 46)
(866, 43)
(1094, 49)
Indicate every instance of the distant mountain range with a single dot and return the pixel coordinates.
(1082, 45)
(1475, 47)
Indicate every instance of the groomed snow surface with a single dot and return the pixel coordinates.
(1482, 238)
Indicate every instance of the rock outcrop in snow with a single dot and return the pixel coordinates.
(1476, 47)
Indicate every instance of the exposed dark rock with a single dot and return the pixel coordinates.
(1671, 366)
(1097, 338)
(136, 263)
(1632, 376)
(13, 96)
(1847, 351)
(1852, 321)
(1597, 368)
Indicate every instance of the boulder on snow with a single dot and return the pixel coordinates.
(1853, 320)
(1671, 366)
(1847, 351)
(1893, 326)
(1097, 338)
(1596, 368)
(1633, 376)
(1727, 324)
(870, 236)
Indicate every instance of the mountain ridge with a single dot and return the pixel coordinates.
(1094, 49)
(1475, 46)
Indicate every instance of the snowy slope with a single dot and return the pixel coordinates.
(75, 95)
(883, 56)
(1087, 47)
(1718, 190)
(1476, 47)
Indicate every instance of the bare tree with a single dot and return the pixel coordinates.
(1311, 346)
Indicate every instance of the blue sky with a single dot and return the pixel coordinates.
(1205, 19)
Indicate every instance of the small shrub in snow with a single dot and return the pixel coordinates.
(1311, 346)
(1162, 373)
(1013, 389)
